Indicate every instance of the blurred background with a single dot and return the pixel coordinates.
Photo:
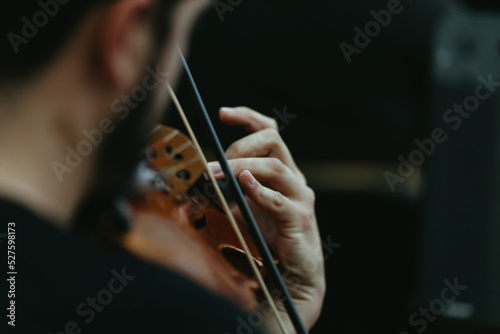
(391, 110)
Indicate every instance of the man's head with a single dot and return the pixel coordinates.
(85, 80)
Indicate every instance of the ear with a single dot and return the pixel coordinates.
(125, 41)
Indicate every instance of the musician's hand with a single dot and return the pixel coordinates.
(283, 206)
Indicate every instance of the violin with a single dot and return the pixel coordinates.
(181, 227)
(181, 220)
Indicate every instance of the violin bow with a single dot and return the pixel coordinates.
(242, 204)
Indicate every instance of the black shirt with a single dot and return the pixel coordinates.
(66, 284)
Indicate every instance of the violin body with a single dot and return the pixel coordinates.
(186, 231)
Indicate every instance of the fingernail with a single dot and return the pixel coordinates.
(227, 110)
(215, 167)
(252, 179)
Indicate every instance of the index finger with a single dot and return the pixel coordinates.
(249, 119)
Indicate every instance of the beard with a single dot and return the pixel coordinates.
(121, 151)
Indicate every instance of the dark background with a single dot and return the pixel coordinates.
(272, 54)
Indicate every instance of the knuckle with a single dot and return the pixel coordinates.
(278, 200)
(302, 177)
(237, 149)
(271, 137)
(277, 166)
(274, 124)
(308, 220)
(271, 133)
(310, 195)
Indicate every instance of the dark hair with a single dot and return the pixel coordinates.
(34, 31)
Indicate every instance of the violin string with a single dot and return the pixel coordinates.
(231, 218)
(180, 149)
